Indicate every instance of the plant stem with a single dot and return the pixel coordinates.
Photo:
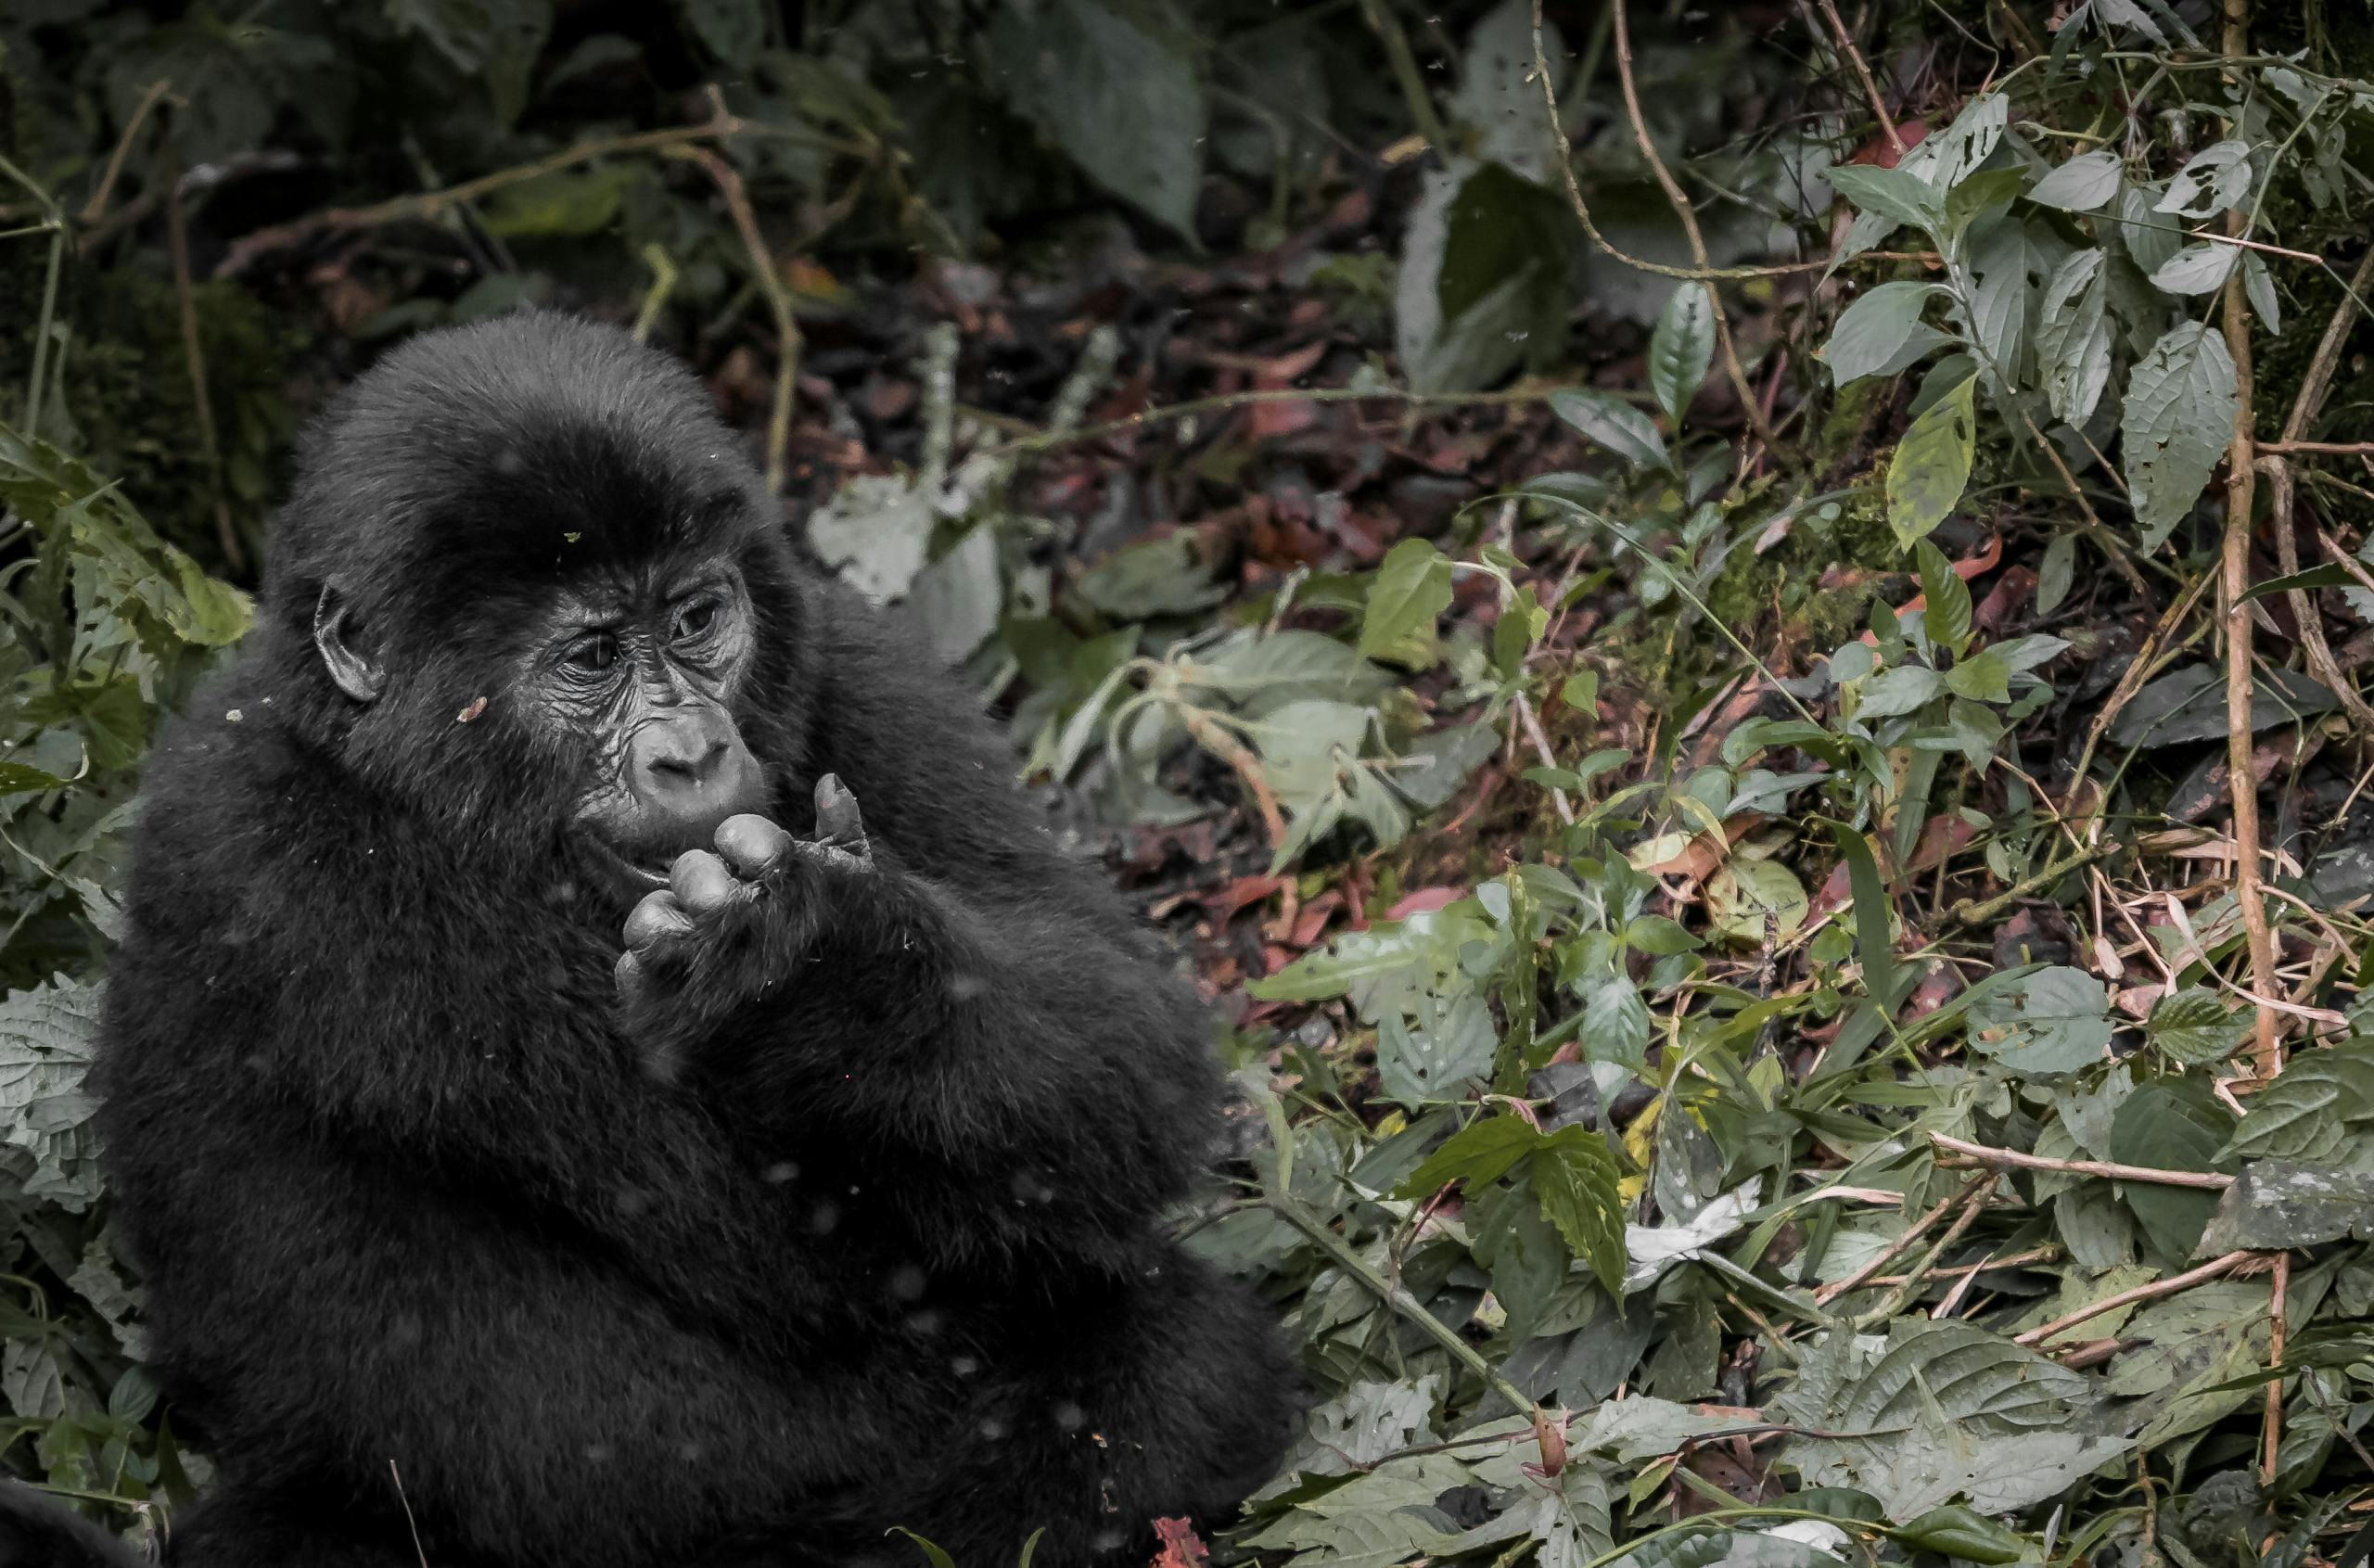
(769, 278)
(2152, 1292)
(1405, 72)
(1978, 1153)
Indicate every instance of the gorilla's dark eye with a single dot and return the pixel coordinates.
(696, 618)
(597, 653)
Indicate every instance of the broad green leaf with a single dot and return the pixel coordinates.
(1412, 588)
(1122, 99)
(1681, 348)
(1945, 598)
(2306, 1113)
(1983, 677)
(1614, 423)
(1575, 1180)
(1931, 466)
(2083, 183)
(1957, 1531)
(2167, 1127)
(2196, 269)
(2275, 1205)
(2213, 179)
(1969, 140)
(46, 1041)
(1755, 900)
(2054, 1021)
(2151, 238)
(1482, 1151)
(2059, 572)
(1895, 195)
(1893, 692)
(2313, 578)
(2259, 285)
(566, 204)
(1482, 285)
(15, 779)
(2074, 338)
(2196, 1026)
(2181, 408)
(1882, 333)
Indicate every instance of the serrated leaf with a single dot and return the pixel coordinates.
(1882, 333)
(2196, 269)
(1681, 348)
(2074, 338)
(2196, 1026)
(2180, 407)
(1482, 1151)
(2083, 183)
(1931, 467)
(1575, 1180)
(2306, 1113)
(46, 1039)
(1614, 423)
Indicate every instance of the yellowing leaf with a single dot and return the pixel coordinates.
(1931, 466)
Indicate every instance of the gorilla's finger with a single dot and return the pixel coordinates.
(701, 882)
(750, 843)
(838, 823)
(656, 917)
(631, 977)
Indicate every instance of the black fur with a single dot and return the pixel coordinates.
(428, 1242)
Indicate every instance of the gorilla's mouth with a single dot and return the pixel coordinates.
(639, 867)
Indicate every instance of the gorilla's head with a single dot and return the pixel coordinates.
(529, 582)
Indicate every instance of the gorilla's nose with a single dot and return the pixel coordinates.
(691, 771)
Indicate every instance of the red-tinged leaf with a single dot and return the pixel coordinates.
(1182, 1548)
(1423, 900)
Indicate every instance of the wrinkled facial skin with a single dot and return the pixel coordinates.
(647, 675)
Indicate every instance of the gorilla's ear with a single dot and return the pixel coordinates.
(355, 671)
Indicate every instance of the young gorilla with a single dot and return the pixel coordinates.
(830, 1204)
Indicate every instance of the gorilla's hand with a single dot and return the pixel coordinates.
(729, 925)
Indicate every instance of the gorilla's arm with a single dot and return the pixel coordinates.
(966, 995)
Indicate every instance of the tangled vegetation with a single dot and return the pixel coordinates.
(1745, 700)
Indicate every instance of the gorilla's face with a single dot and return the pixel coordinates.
(646, 673)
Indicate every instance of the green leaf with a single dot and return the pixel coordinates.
(2259, 285)
(2180, 407)
(1575, 1180)
(2196, 1026)
(1614, 423)
(1412, 588)
(1874, 931)
(1957, 1531)
(1882, 333)
(15, 779)
(1479, 1153)
(2216, 177)
(1969, 140)
(932, 1553)
(1120, 100)
(1482, 285)
(2306, 1113)
(2054, 1021)
(2059, 572)
(733, 31)
(2275, 1205)
(2196, 269)
(1681, 348)
(2168, 1129)
(2083, 183)
(1893, 693)
(1894, 194)
(46, 1041)
(567, 203)
(2074, 337)
(1946, 611)
(1983, 677)
(1931, 466)
(2308, 580)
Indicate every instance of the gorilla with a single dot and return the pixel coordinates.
(555, 1125)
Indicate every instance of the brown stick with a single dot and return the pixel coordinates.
(99, 202)
(1979, 1155)
(769, 281)
(1870, 88)
(2138, 670)
(2281, 489)
(1583, 211)
(1888, 1254)
(1679, 200)
(177, 245)
(2337, 449)
(2242, 474)
(2324, 362)
(2156, 1288)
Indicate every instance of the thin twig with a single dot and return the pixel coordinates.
(2281, 487)
(2138, 670)
(2152, 1292)
(1979, 1155)
(1910, 1234)
(1985, 1265)
(720, 126)
(1678, 199)
(99, 202)
(1229, 402)
(1583, 210)
(1894, 1302)
(2242, 783)
(2337, 449)
(1870, 88)
(2324, 362)
(778, 295)
(177, 244)
(1421, 103)
(1966, 912)
(1532, 727)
